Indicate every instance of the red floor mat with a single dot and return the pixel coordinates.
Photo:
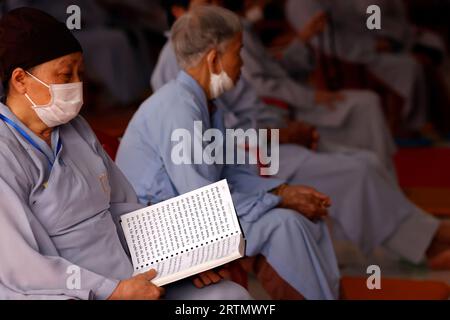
(394, 289)
(424, 168)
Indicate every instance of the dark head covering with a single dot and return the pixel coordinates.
(30, 37)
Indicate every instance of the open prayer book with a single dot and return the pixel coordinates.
(186, 235)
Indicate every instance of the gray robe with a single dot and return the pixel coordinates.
(357, 122)
(59, 213)
(355, 43)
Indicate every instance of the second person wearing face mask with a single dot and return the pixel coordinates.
(220, 83)
(207, 42)
(61, 194)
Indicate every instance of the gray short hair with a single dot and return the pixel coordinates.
(201, 29)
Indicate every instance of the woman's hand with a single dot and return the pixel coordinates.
(139, 287)
(210, 277)
(307, 201)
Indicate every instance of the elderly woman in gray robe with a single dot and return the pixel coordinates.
(61, 195)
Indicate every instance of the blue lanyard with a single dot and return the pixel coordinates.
(24, 134)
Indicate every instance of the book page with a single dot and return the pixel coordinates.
(204, 258)
(183, 232)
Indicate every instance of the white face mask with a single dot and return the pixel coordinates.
(220, 83)
(254, 14)
(65, 104)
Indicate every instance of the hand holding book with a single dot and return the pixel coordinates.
(139, 287)
(186, 235)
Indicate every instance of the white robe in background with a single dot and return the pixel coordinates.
(356, 43)
(356, 122)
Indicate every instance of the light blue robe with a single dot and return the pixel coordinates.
(246, 109)
(299, 250)
(52, 219)
(368, 208)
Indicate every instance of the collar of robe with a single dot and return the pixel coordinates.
(30, 140)
(192, 86)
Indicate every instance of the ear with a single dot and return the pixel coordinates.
(212, 59)
(17, 81)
